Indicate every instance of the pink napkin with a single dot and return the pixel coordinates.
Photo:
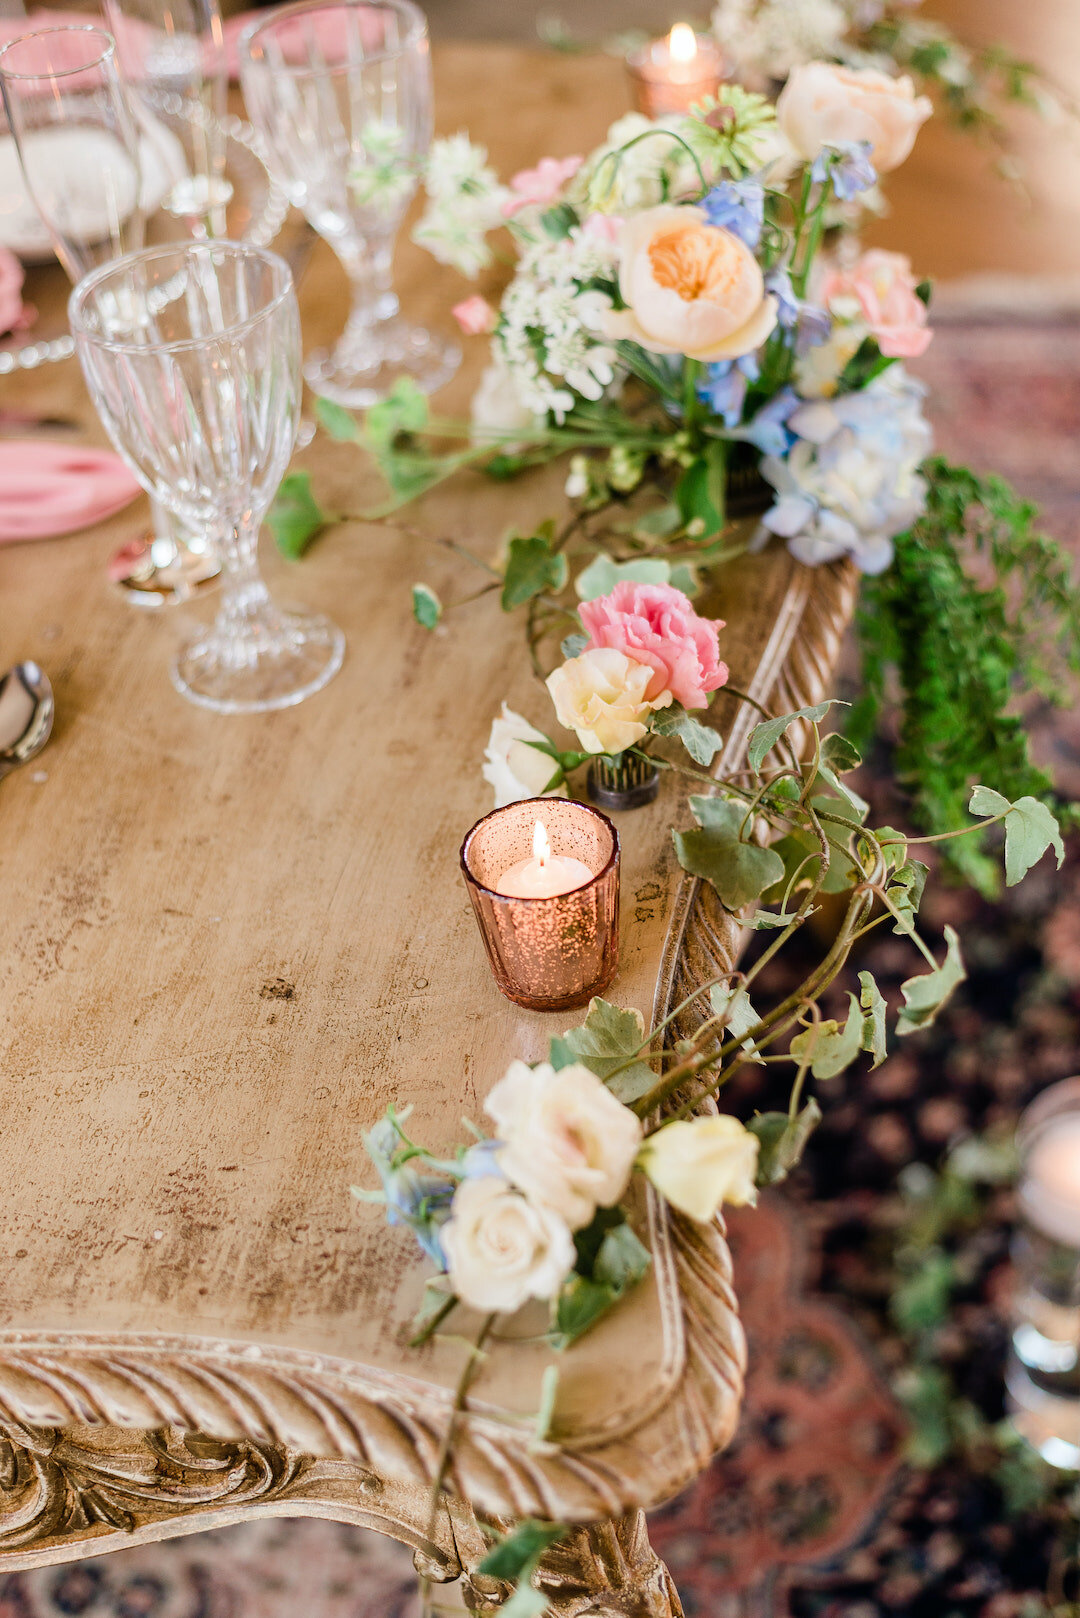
(330, 30)
(49, 489)
(59, 53)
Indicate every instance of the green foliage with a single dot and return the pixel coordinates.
(702, 742)
(782, 1140)
(426, 606)
(609, 1039)
(739, 871)
(734, 1004)
(532, 567)
(610, 1260)
(340, 423)
(602, 574)
(515, 1559)
(924, 996)
(764, 737)
(961, 649)
(296, 517)
(1030, 829)
(700, 493)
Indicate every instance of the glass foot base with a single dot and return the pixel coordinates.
(152, 576)
(399, 351)
(276, 661)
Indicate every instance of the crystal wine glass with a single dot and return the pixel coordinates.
(192, 358)
(80, 151)
(173, 56)
(341, 94)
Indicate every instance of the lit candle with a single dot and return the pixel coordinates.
(1052, 1178)
(546, 875)
(674, 74)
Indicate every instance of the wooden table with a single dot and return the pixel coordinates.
(226, 944)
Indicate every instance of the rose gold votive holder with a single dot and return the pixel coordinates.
(547, 954)
(660, 87)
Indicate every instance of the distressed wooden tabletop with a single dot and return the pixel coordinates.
(227, 942)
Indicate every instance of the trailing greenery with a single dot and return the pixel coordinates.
(958, 650)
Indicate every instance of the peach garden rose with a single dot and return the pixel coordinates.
(825, 105)
(689, 288)
(657, 625)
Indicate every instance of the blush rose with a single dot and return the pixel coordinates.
(655, 624)
(884, 288)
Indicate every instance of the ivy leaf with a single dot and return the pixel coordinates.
(580, 1305)
(340, 423)
(685, 577)
(699, 493)
(557, 222)
(622, 1260)
(839, 754)
(296, 517)
(764, 737)
(738, 871)
(873, 1008)
(531, 567)
(735, 1005)
(516, 1556)
(574, 645)
(906, 891)
(894, 847)
(404, 410)
(764, 919)
(607, 1038)
(829, 1047)
(426, 606)
(602, 575)
(924, 996)
(1030, 829)
(782, 1141)
(702, 742)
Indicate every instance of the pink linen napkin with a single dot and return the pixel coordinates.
(330, 29)
(50, 489)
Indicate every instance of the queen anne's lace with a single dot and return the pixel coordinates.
(767, 38)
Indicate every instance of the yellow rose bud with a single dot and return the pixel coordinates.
(699, 1163)
(601, 696)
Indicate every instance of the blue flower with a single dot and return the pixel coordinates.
(724, 389)
(768, 431)
(738, 206)
(810, 324)
(479, 1161)
(848, 166)
(414, 1198)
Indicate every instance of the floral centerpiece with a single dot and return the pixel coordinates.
(717, 378)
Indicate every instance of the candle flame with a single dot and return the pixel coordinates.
(682, 43)
(541, 846)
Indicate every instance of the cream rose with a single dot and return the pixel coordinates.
(514, 767)
(497, 408)
(825, 105)
(601, 696)
(699, 1163)
(689, 288)
(565, 1140)
(501, 1249)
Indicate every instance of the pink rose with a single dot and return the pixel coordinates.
(884, 288)
(603, 229)
(475, 316)
(541, 185)
(13, 314)
(655, 624)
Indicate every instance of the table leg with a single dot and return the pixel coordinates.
(607, 1570)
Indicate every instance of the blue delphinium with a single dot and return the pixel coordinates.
(811, 324)
(847, 165)
(738, 206)
(412, 1196)
(724, 387)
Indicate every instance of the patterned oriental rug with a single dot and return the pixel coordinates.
(814, 1512)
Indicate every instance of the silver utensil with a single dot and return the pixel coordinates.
(26, 715)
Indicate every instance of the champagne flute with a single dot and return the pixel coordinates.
(340, 91)
(81, 160)
(192, 358)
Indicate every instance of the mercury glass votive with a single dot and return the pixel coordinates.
(546, 954)
(1043, 1376)
(675, 73)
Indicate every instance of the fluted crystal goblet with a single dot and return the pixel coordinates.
(192, 357)
(341, 94)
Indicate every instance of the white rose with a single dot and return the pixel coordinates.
(601, 696)
(697, 1164)
(825, 105)
(501, 1250)
(497, 407)
(514, 768)
(566, 1141)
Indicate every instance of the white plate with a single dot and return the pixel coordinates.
(94, 159)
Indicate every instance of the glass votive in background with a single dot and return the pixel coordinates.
(1043, 1377)
(555, 949)
(674, 74)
